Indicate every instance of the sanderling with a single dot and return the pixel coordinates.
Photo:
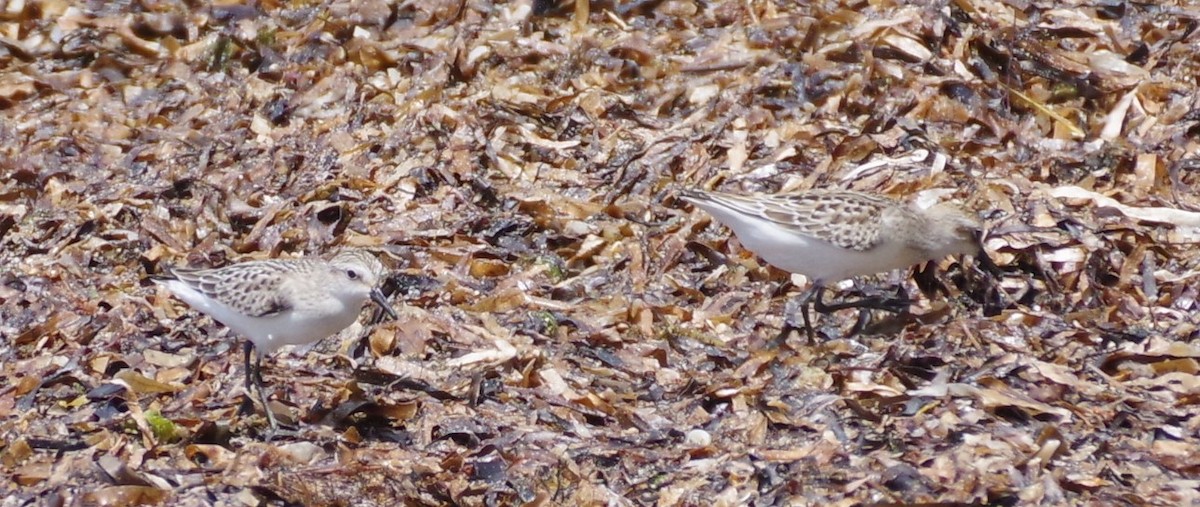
(281, 302)
(831, 235)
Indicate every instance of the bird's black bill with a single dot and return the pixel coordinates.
(987, 264)
(981, 257)
(379, 299)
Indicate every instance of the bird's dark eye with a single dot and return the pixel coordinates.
(351, 274)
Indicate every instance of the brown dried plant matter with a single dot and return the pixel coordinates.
(568, 335)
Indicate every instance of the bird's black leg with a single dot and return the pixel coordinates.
(789, 317)
(813, 296)
(246, 347)
(254, 376)
(897, 304)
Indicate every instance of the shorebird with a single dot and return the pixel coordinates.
(832, 235)
(278, 302)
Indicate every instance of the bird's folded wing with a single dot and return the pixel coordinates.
(236, 289)
(844, 219)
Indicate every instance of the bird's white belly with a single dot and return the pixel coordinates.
(816, 259)
(297, 326)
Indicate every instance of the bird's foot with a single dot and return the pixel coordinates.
(864, 318)
(893, 304)
(277, 431)
(790, 324)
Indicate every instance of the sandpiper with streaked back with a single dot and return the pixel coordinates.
(831, 235)
(278, 302)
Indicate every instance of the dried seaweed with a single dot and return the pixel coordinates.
(571, 333)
